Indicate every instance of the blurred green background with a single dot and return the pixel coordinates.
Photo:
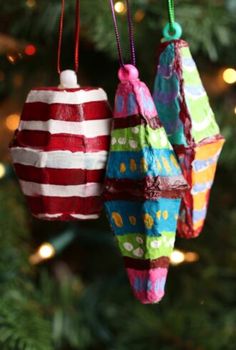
(81, 298)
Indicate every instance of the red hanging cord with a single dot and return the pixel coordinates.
(77, 32)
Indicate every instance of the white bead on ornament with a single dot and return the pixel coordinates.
(68, 79)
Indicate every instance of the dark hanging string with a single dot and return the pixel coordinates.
(77, 31)
(131, 34)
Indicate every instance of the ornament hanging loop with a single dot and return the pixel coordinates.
(172, 30)
(131, 35)
(76, 40)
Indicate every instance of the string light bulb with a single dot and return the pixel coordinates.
(48, 250)
(12, 121)
(2, 170)
(177, 257)
(13, 57)
(120, 7)
(229, 75)
(45, 252)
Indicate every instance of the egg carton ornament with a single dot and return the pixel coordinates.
(143, 187)
(60, 150)
(189, 121)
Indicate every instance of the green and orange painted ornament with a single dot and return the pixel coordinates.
(189, 121)
(144, 182)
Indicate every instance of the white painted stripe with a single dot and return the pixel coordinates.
(76, 216)
(50, 216)
(90, 128)
(199, 126)
(37, 189)
(196, 96)
(59, 159)
(66, 97)
(85, 217)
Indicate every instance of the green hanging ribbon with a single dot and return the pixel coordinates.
(171, 12)
(172, 30)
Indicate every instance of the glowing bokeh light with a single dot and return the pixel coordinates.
(177, 257)
(2, 170)
(44, 252)
(139, 15)
(12, 121)
(30, 50)
(120, 7)
(229, 75)
(30, 3)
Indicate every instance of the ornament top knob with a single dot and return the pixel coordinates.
(68, 79)
(128, 72)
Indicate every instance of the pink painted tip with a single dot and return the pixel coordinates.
(128, 72)
(148, 285)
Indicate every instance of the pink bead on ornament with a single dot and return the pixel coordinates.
(128, 72)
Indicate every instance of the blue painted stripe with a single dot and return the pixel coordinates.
(150, 155)
(143, 284)
(201, 187)
(137, 209)
(160, 285)
(199, 165)
(188, 62)
(199, 215)
(195, 91)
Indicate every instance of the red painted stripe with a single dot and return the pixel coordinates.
(142, 264)
(66, 206)
(134, 120)
(58, 176)
(141, 197)
(66, 112)
(62, 142)
(178, 44)
(146, 188)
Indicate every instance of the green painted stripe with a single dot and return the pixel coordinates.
(185, 52)
(200, 109)
(193, 77)
(139, 137)
(140, 246)
(212, 130)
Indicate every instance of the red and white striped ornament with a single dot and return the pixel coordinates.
(60, 150)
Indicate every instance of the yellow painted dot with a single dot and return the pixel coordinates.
(176, 217)
(143, 165)
(117, 219)
(122, 167)
(158, 214)
(132, 220)
(174, 161)
(148, 221)
(158, 163)
(133, 165)
(165, 215)
(166, 164)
